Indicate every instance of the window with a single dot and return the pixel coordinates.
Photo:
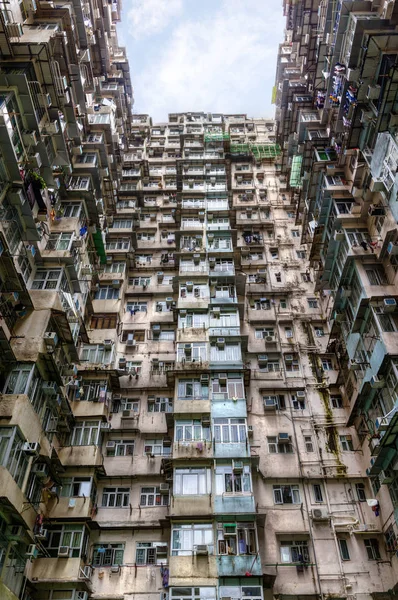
(274, 253)
(156, 448)
(134, 307)
(96, 354)
(47, 280)
(294, 552)
(227, 431)
(191, 430)
(108, 555)
(118, 244)
(123, 224)
(336, 401)
(344, 553)
(72, 536)
(141, 281)
(185, 538)
(286, 494)
(283, 303)
(288, 332)
(150, 553)
(197, 593)
(107, 292)
(195, 351)
(346, 443)
(151, 496)
(161, 404)
(376, 275)
(271, 366)
(264, 332)
(192, 389)
(11, 455)
(360, 490)
(103, 322)
(278, 277)
(121, 447)
(76, 486)
(309, 445)
(391, 539)
(306, 277)
(291, 363)
(85, 433)
(372, 548)
(318, 496)
(192, 482)
(116, 497)
(274, 447)
(70, 209)
(115, 267)
(230, 352)
(232, 483)
(312, 303)
(295, 233)
(236, 538)
(385, 320)
(301, 254)
(24, 267)
(274, 400)
(59, 241)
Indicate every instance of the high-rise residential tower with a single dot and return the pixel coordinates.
(198, 322)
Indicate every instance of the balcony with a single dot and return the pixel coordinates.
(238, 566)
(198, 449)
(191, 506)
(56, 570)
(60, 508)
(239, 450)
(77, 456)
(198, 406)
(232, 504)
(89, 409)
(187, 569)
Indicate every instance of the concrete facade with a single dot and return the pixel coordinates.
(198, 323)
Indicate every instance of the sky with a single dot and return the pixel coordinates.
(202, 55)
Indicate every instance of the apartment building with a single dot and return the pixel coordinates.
(198, 320)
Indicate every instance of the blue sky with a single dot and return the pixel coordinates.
(202, 55)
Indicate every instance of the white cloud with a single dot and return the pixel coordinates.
(148, 17)
(224, 62)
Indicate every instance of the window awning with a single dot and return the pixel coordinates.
(295, 173)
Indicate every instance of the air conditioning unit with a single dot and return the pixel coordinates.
(52, 425)
(319, 514)
(35, 160)
(52, 128)
(250, 431)
(31, 448)
(105, 426)
(116, 283)
(237, 466)
(269, 338)
(339, 236)
(202, 550)
(29, 138)
(32, 551)
(262, 359)
(122, 363)
(283, 438)
(14, 532)
(108, 344)
(300, 394)
(110, 444)
(386, 477)
(389, 304)
(50, 388)
(126, 413)
(189, 285)
(164, 488)
(377, 382)
(373, 92)
(115, 569)
(354, 364)
(42, 534)
(51, 338)
(87, 270)
(44, 100)
(130, 340)
(63, 552)
(289, 358)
